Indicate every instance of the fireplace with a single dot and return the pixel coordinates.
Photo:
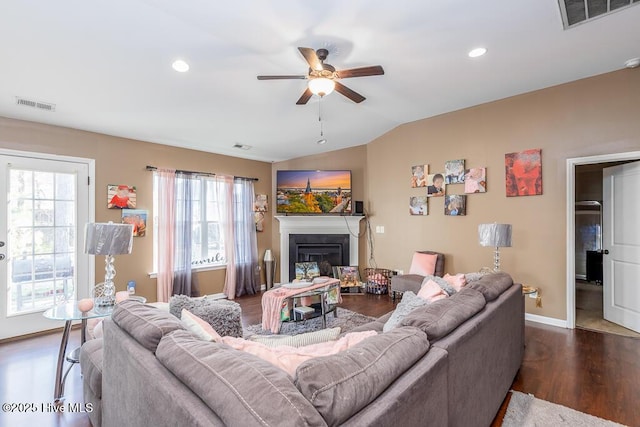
(328, 250)
(322, 225)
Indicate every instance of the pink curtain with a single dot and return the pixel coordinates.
(166, 236)
(224, 190)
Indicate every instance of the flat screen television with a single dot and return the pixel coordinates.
(313, 191)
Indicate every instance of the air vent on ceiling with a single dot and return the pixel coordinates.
(46, 106)
(579, 11)
(242, 146)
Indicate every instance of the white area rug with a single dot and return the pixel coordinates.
(524, 410)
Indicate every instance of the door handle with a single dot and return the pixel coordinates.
(605, 252)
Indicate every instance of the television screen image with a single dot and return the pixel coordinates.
(313, 191)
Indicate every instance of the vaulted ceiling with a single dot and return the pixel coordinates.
(106, 65)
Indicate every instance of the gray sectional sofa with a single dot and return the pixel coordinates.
(450, 363)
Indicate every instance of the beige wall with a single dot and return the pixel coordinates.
(594, 116)
(353, 159)
(599, 115)
(123, 161)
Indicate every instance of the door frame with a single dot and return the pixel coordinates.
(571, 222)
(91, 209)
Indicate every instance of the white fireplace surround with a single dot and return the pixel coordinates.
(316, 225)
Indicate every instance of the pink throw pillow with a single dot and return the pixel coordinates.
(423, 264)
(457, 282)
(431, 291)
(289, 358)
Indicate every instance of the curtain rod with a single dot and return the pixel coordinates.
(153, 168)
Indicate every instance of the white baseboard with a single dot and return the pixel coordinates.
(219, 295)
(546, 320)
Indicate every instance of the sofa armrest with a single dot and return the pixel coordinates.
(406, 282)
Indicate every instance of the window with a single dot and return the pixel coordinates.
(207, 248)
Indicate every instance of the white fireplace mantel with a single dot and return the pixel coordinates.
(317, 225)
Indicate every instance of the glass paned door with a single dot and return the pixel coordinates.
(44, 209)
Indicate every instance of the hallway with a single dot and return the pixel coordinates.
(589, 311)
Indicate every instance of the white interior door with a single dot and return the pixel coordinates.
(621, 238)
(44, 205)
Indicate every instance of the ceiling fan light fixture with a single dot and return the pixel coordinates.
(321, 86)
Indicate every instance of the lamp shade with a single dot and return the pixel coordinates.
(108, 238)
(496, 235)
(321, 86)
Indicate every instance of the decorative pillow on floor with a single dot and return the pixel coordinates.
(223, 315)
(299, 340)
(410, 302)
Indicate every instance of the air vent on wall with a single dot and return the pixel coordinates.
(579, 11)
(46, 106)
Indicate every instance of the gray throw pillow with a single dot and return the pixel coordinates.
(410, 302)
(444, 285)
(223, 315)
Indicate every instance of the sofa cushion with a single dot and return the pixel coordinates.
(144, 323)
(443, 316)
(223, 315)
(423, 264)
(342, 384)
(240, 388)
(457, 281)
(299, 340)
(492, 285)
(91, 365)
(410, 302)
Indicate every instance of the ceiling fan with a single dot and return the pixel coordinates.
(323, 78)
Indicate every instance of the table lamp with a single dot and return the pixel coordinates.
(108, 239)
(496, 235)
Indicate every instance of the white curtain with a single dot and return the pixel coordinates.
(187, 186)
(175, 195)
(246, 246)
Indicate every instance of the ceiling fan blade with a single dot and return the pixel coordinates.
(375, 70)
(311, 57)
(352, 95)
(280, 77)
(306, 95)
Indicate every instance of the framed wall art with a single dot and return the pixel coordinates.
(523, 173)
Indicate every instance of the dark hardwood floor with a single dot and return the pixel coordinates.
(587, 371)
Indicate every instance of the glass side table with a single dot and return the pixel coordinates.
(68, 311)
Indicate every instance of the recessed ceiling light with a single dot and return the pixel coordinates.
(321, 141)
(479, 51)
(242, 146)
(180, 66)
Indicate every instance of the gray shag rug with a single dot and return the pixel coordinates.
(346, 320)
(525, 410)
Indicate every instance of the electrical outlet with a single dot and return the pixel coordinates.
(398, 272)
(533, 295)
(380, 229)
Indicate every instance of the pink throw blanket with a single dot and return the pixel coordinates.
(273, 299)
